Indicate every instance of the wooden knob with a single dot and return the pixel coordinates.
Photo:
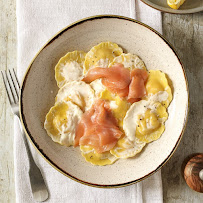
(193, 173)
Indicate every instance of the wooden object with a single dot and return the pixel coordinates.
(193, 173)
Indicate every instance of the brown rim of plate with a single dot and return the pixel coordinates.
(40, 151)
(173, 11)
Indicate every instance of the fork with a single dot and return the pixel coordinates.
(38, 186)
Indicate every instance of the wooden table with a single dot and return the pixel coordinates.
(185, 32)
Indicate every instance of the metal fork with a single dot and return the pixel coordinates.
(38, 186)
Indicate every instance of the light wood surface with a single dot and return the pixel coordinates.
(7, 60)
(185, 32)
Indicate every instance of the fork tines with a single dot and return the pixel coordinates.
(12, 85)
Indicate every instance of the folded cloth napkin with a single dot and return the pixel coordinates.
(37, 22)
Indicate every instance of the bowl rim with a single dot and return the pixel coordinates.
(172, 11)
(40, 151)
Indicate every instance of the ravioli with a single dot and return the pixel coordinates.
(145, 121)
(101, 55)
(78, 92)
(61, 121)
(95, 158)
(70, 67)
(157, 87)
(113, 110)
(126, 148)
(130, 61)
(118, 106)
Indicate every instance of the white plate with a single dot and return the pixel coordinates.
(36, 98)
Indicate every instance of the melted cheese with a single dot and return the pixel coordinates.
(61, 122)
(79, 93)
(70, 68)
(145, 121)
(126, 148)
(98, 87)
(130, 61)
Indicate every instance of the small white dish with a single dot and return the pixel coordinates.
(189, 6)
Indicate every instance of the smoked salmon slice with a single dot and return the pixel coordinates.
(116, 79)
(137, 88)
(120, 80)
(98, 128)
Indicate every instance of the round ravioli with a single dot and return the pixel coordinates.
(95, 158)
(78, 92)
(145, 121)
(101, 55)
(118, 106)
(157, 88)
(126, 148)
(130, 61)
(70, 68)
(61, 122)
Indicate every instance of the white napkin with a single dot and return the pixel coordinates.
(37, 22)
